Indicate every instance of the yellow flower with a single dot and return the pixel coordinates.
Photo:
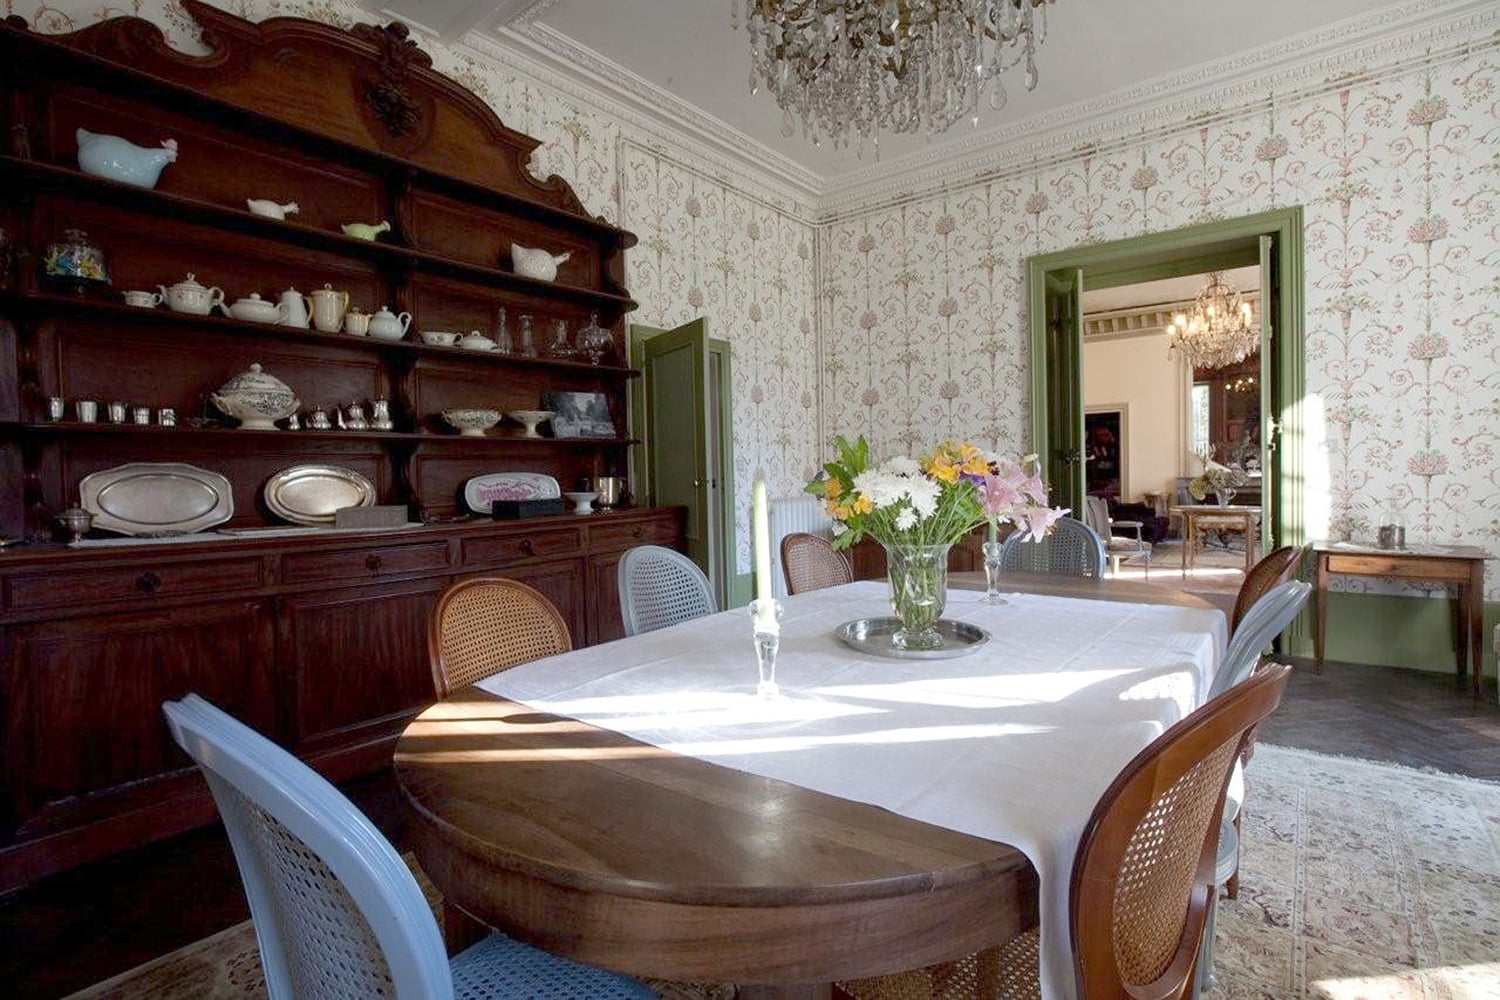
(832, 488)
(863, 504)
(841, 513)
(831, 507)
(942, 468)
(973, 460)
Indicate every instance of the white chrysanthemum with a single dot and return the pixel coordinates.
(902, 466)
(883, 489)
(839, 527)
(906, 520)
(924, 495)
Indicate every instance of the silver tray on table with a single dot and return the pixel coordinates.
(873, 636)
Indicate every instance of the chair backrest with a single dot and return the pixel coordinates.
(337, 913)
(811, 563)
(1096, 515)
(1071, 547)
(1276, 568)
(661, 587)
(1267, 619)
(1142, 874)
(483, 624)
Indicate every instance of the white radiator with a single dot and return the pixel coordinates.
(792, 514)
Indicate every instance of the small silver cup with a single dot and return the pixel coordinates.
(117, 413)
(57, 407)
(88, 411)
(166, 416)
(142, 414)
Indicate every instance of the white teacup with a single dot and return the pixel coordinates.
(439, 338)
(142, 300)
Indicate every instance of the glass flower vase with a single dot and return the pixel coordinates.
(919, 591)
(1224, 495)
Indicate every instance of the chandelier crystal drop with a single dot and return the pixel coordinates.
(1221, 330)
(849, 69)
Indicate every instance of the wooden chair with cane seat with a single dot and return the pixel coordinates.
(1143, 874)
(810, 562)
(1274, 569)
(483, 624)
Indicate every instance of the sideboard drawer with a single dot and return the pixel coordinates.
(84, 587)
(613, 537)
(356, 565)
(1406, 567)
(499, 551)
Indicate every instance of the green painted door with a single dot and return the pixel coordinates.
(674, 382)
(1270, 389)
(1064, 379)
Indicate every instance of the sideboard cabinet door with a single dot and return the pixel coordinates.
(82, 698)
(353, 655)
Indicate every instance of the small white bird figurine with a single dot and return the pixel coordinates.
(270, 209)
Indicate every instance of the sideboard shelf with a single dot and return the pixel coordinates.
(163, 204)
(41, 304)
(271, 438)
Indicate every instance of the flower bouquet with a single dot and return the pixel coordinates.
(1220, 480)
(917, 509)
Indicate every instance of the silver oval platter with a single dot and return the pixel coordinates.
(481, 492)
(312, 494)
(157, 498)
(873, 635)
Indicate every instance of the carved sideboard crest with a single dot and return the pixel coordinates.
(388, 97)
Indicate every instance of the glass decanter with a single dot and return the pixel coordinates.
(559, 346)
(527, 342)
(594, 342)
(503, 343)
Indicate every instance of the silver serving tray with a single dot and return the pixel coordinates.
(873, 636)
(312, 494)
(157, 498)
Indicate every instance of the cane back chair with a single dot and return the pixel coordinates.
(810, 562)
(483, 624)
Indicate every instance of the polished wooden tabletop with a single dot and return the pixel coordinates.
(595, 846)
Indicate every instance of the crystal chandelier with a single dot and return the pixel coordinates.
(1221, 330)
(850, 69)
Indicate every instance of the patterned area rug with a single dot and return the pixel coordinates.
(1360, 881)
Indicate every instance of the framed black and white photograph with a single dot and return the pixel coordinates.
(579, 414)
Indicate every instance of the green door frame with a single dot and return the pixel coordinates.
(1185, 251)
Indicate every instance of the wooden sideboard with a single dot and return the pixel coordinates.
(316, 640)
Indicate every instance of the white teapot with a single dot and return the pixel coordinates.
(530, 262)
(386, 325)
(295, 307)
(190, 297)
(254, 309)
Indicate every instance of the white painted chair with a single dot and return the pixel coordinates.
(1117, 547)
(1266, 619)
(1071, 547)
(337, 913)
(660, 587)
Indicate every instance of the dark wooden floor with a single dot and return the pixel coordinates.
(83, 926)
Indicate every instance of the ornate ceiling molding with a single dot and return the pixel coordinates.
(1143, 321)
(649, 106)
(1385, 42)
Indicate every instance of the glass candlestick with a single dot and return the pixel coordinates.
(767, 640)
(992, 574)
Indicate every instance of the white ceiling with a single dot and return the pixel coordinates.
(1164, 292)
(1093, 47)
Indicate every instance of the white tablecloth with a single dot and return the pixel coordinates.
(1014, 743)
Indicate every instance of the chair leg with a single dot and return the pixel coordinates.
(1232, 886)
(1206, 978)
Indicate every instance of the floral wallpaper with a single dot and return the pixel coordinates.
(710, 245)
(922, 309)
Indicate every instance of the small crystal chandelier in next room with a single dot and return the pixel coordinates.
(848, 69)
(1220, 331)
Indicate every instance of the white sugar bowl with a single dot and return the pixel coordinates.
(254, 309)
(257, 400)
(190, 297)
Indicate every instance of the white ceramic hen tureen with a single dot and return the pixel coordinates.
(256, 399)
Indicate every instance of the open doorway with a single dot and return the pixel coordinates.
(1265, 252)
(1153, 416)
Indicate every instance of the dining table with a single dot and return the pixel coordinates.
(638, 806)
